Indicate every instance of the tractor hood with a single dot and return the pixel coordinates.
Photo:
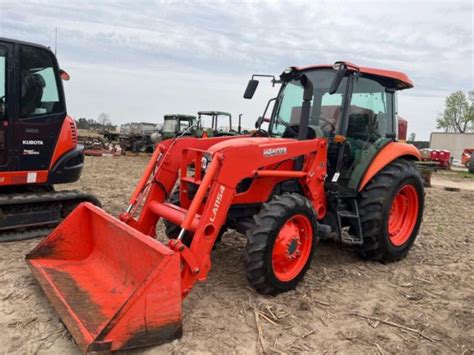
(237, 143)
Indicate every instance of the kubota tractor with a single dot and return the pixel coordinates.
(328, 165)
(38, 143)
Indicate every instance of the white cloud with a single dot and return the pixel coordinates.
(190, 55)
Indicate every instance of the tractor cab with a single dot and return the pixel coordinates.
(353, 107)
(176, 124)
(216, 123)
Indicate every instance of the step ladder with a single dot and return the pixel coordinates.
(348, 209)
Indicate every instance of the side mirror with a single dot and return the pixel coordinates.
(250, 90)
(337, 80)
(259, 122)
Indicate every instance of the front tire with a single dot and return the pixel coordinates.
(391, 209)
(281, 244)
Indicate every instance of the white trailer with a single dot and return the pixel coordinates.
(454, 142)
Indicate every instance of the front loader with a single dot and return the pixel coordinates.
(329, 165)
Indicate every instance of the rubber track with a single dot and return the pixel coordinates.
(42, 197)
(24, 235)
(30, 198)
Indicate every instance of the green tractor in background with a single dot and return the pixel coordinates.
(220, 125)
(178, 124)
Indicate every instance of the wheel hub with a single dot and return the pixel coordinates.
(292, 247)
(403, 215)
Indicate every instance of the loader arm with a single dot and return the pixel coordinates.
(231, 162)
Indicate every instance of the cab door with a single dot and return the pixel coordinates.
(370, 126)
(7, 161)
(41, 109)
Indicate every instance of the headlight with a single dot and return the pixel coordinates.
(205, 161)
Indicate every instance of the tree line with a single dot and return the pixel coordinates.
(101, 123)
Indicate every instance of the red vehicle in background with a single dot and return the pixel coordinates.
(441, 157)
(466, 156)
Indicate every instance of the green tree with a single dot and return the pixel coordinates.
(104, 119)
(412, 137)
(82, 123)
(458, 115)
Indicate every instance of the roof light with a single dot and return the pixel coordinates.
(288, 70)
(339, 65)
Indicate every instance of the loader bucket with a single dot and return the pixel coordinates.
(113, 287)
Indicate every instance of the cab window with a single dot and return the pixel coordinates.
(325, 109)
(370, 112)
(39, 84)
(183, 125)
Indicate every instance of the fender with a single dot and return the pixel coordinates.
(388, 154)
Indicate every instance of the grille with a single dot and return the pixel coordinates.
(73, 132)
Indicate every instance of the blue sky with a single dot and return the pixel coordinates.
(137, 60)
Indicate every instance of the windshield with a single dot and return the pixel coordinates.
(184, 125)
(170, 126)
(325, 108)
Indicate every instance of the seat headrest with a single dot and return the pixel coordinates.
(34, 81)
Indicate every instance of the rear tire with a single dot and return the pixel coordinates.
(281, 244)
(391, 209)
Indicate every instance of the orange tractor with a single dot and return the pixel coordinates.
(329, 165)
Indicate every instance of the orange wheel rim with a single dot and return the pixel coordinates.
(403, 215)
(292, 248)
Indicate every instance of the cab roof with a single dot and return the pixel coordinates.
(17, 41)
(214, 113)
(401, 80)
(179, 115)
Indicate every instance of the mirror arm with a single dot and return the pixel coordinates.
(274, 79)
(265, 111)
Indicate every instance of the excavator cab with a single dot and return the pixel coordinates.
(33, 114)
(38, 143)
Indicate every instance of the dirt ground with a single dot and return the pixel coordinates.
(423, 304)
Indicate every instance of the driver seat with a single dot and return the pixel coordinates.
(33, 86)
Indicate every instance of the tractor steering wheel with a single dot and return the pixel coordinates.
(327, 123)
(286, 124)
